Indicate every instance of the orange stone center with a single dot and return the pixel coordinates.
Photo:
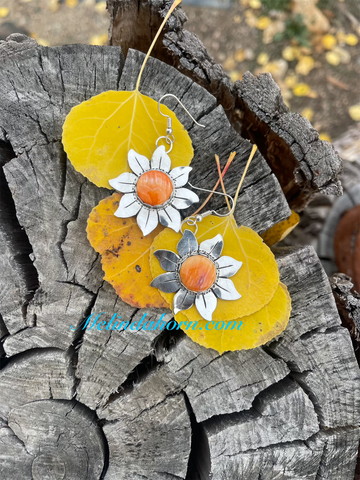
(198, 273)
(154, 188)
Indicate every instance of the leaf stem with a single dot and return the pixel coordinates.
(253, 151)
(172, 8)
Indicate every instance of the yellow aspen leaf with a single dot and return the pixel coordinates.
(235, 75)
(100, 7)
(301, 90)
(328, 41)
(340, 35)
(305, 65)
(43, 42)
(4, 12)
(99, 39)
(308, 113)
(281, 230)
(291, 53)
(255, 4)
(354, 112)
(351, 39)
(344, 55)
(229, 64)
(237, 19)
(333, 58)
(255, 330)
(98, 134)
(263, 59)
(124, 254)
(263, 22)
(240, 55)
(251, 19)
(291, 80)
(257, 279)
(324, 136)
(71, 3)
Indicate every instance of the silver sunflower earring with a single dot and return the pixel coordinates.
(154, 192)
(198, 273)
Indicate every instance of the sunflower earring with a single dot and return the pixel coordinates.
(153, 192)
(198, 273)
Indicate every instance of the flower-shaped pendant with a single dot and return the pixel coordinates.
(153, 191)
(198, 274)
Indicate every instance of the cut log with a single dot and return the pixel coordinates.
(303, 164)
(87, 404)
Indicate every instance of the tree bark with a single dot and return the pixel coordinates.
(135, 405)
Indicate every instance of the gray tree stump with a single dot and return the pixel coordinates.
(143, 405)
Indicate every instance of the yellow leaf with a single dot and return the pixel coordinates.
(257, 279)
(100, 7)
(255, 4)
(308, 113)
(324, 136)
(251, 19)
(301, 90)
(99, 39)
(71, 3)
(354, 112)
(344, 55)
(235, 75)
(351, 39)
(279, 231)
(263, 59)
(341, 37)
(98, 134)
(333, 58)
(291, 53)
(328, 41)
(240, 55)
(263, 22)
(124, 254)
(291, 80)
(229, 64)
(43, 42)
(305, 65)
(4, 12)
(255, 330)
(237, 19)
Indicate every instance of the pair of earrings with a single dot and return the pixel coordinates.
(154, 193)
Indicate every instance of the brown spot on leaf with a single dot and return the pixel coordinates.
(138, 268)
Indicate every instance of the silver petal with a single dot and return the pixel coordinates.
(166, 282)
(184, 198)
(124, 183)
(161, 160)
(187, 244)
(170, 217)
(128, 206)
(180, 176)
(213, 246)
(224, 288)
(138, 163)
(168, 259)
(206, 304)
(227, 266)
(147, 220)
(183, 300)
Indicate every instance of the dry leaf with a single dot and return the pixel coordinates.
(273, 29)
(255, 330)
(351, 39)
(4, 12)
(229, 64)
(308, 113)
(237, 19)
(263, 59)
(100, 7)
(291, 53)
(337, 83)
(291, 80)
(43, 42)
(235, 75)
(240, 55)
(257, 279)
(99, 39)
(98, 134)
(277, 68)
(354, 112)
(124, 254)
(263, 22)
(301, 90)
(281, 230)
(255, 4)
(250, 19)
(305, 65)
(328, 41)
(344, 55)
(324, 136)
(313, 18)
(333, 58)
(71, 3)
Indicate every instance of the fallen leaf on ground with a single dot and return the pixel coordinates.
(240, 55)
(337, 83)
(273, 29)
(263, 22)
(277, 68)
(255, 4)
(301, 90)
(305, 65)
(229, 64)
(100, 7)
(324, 136)
(344, 55)
(280, 230)
(291, 80)
(351, 39)
(313, 18)
(99, 39)
(71, 3)
(290, 53)
(354, 112)
(333, 58)
(237, 19)
(124, 254)
(329, 41)
(4, 12)
(263, 59)
(308, 113)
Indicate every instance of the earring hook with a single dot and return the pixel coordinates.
(194, 219)
(169, 138)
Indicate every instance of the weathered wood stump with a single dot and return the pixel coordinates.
(143, 405)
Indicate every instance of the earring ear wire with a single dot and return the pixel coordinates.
(169, 137)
